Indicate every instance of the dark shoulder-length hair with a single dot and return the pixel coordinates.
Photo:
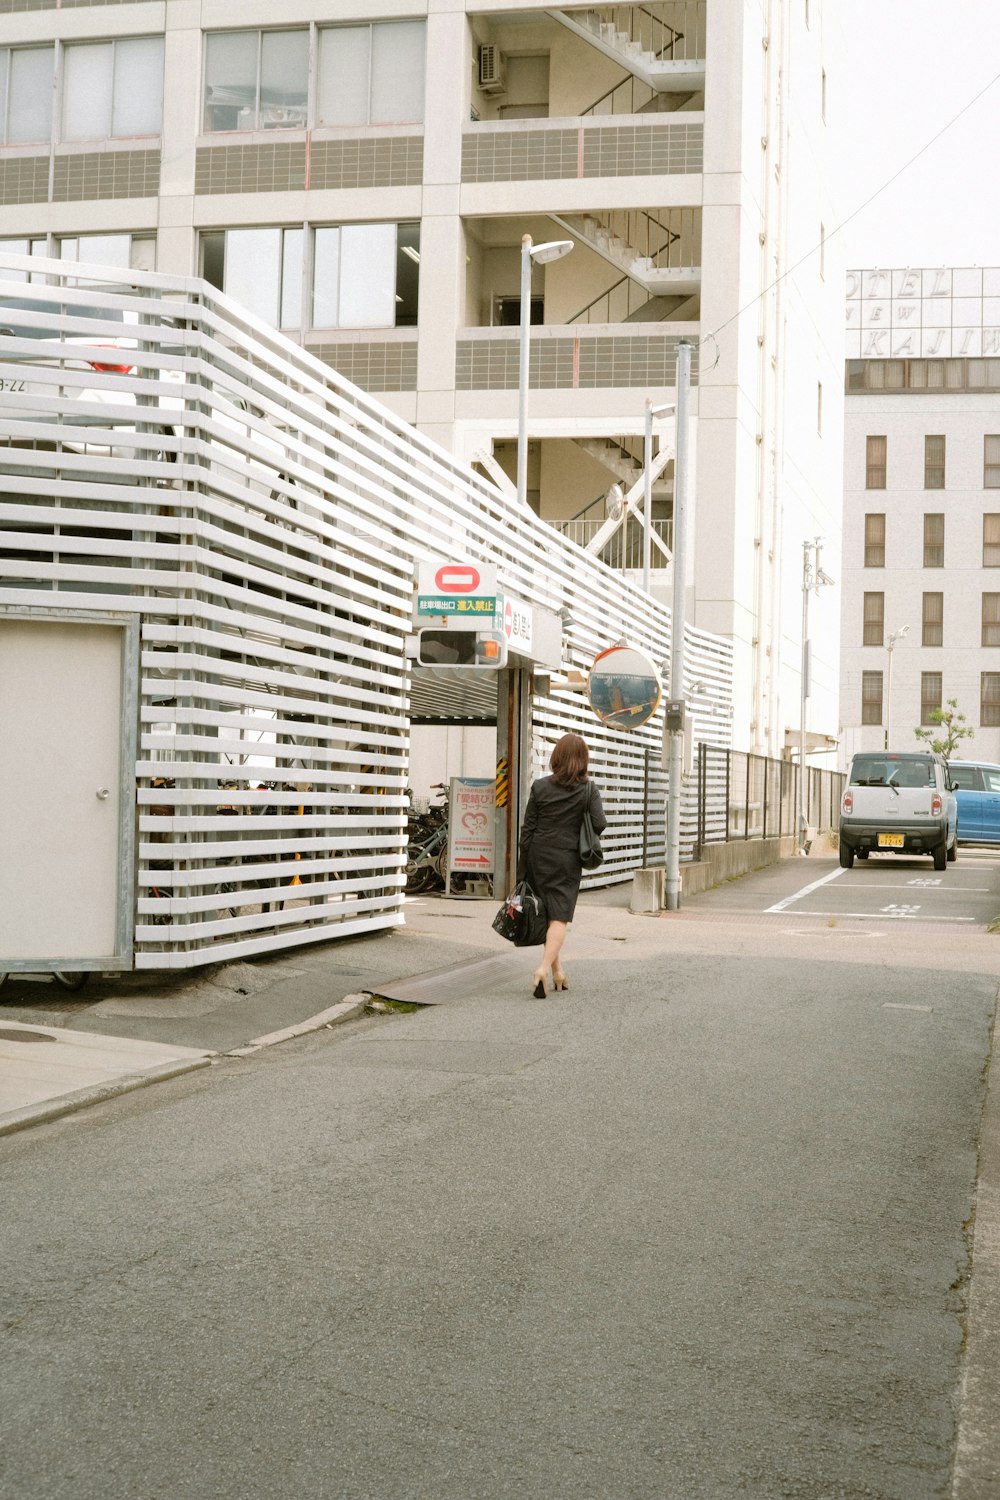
(570, 757)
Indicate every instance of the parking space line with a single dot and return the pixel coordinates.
(870, 916)
(922, 885)
(781, 905)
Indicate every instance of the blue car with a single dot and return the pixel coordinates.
(977, 792)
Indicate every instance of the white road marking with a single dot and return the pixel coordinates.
(902, 1005)
(781, 905)
(900, 911)
(870, 916)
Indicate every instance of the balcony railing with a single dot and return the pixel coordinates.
(624, 549)
(672, 30)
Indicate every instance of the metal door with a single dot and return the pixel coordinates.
(67, 812)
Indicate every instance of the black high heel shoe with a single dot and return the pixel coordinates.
(539, 991)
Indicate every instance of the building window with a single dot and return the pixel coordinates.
(363, 275)
(260, 268)
(991, 540)
(934, 463)
(871, 697)
(875, 541)
(875, 463)
(366, 75)
(874, 620)
(107, 90)
(930, 695)
(256, 80)
(34, 246)
(991, 620)
(26, 94)
(131, 252)
(371, 75)
(932, 631)
(933, 539)
(112, 89)
(989, 699)
(991, 462)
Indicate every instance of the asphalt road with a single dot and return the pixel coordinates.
(697, 1230)
(884, 889)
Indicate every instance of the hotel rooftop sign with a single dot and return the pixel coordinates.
(923, 314)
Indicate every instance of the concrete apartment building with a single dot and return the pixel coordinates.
(362, 174)
(921, 505)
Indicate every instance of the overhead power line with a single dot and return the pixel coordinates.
(852, 215)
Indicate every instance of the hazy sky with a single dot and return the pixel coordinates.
(908, 67)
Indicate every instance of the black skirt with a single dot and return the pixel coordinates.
(549, 848)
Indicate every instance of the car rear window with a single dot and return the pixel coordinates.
(891, 770)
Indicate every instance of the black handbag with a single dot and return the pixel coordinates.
(591, 853)
(522, 918)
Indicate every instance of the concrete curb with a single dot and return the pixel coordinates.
(65, 1104)
(976, 1473)
(344, 1010)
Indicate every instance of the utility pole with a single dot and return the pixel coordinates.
(813, 579)
(897, 635)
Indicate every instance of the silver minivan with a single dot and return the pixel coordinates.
(898, 803)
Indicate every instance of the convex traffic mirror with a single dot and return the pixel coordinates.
(624, 687)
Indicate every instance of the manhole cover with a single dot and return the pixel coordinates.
(14, 1034)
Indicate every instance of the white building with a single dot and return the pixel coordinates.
(921, 505)
(362, 175)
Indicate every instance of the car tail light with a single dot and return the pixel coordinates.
(108, 368)
(935, 803)
(847, 805)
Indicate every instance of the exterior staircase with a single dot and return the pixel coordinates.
(650, 250)
(662, 44)
(617, 457)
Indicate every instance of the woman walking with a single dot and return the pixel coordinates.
(549, 847)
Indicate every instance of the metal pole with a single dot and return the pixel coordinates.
(675, 742)
(522, 384)
(647, 494)
(645, 807)
(803, 695)
(888, 693)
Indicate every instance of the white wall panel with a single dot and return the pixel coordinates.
(264, 520)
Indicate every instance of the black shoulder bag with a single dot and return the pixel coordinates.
(591, 853)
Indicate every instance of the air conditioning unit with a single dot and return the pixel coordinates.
(491, 63)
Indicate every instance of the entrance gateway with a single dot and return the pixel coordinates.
(476, 651)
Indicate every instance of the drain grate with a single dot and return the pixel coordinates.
(15, 1034)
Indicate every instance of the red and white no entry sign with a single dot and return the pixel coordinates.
(457, 578)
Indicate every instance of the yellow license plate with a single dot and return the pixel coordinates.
(890, 841)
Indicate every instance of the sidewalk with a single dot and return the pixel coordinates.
(47, 1071)
(61, 1051)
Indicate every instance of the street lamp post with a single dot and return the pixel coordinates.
(551, 250)
(647, 486)
(897, 635)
